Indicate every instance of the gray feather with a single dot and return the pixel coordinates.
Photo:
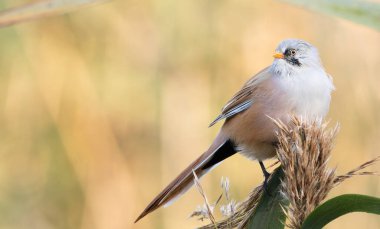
(233, 111)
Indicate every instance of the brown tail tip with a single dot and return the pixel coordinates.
(141, 216)
(147, 210)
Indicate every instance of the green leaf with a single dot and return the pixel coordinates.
(339, 206)
(363, 12)
(269, 213)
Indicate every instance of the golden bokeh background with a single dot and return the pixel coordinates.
(101, 108)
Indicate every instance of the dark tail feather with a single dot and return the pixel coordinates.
(217, 153)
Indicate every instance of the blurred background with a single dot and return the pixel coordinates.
(103, 107)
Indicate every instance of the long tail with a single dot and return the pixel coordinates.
(221, 149)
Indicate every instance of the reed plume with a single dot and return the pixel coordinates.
(304, 150)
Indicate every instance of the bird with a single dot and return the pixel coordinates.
(296, 83)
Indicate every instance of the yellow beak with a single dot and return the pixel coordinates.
(278, 55)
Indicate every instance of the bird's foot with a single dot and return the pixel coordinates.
(265, 185)
(266, 178)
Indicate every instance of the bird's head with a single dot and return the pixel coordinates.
(293, 55)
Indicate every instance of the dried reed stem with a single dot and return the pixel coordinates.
(240, 217)
(356, 171)
(208, 208)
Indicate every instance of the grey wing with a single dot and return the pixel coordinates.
(233, 111)
(244, 99)
(240, 102)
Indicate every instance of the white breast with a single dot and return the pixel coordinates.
(309, 91)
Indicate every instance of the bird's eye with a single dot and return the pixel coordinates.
(292, 52)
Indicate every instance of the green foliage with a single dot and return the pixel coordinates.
(269, 213)
(363, 12)
(340, 206)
